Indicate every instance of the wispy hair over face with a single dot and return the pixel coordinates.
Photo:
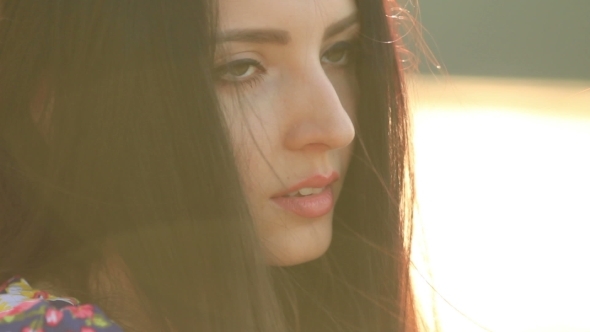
(138, 160)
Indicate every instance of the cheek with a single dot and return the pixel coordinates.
(252, 131)
(41, 108)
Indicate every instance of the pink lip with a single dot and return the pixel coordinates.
(311, 206)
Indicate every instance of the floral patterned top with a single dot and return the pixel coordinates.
(24, 309)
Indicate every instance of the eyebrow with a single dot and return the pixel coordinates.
(257, 36)
(280, 37)
(341, 25)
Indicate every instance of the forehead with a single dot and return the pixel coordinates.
(283, 14)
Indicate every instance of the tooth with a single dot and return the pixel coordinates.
(305, 191)
(293, 194)
(317, 190)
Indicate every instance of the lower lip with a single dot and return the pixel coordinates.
(312, 206)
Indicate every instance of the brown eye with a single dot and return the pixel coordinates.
(338, 54)
(238, 70)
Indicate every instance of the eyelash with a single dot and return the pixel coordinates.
(350, 47)
(250, 80)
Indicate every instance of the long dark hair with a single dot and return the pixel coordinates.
(128, 151)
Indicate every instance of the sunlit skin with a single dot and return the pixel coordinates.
(289, 96)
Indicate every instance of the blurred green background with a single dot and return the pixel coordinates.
(519, 38)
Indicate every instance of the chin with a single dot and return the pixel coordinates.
(301, 244)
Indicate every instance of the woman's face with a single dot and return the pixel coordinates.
(286, 81)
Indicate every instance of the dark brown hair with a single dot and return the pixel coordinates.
(137, 160)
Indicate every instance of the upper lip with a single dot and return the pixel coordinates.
(314, 181)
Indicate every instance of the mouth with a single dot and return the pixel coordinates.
(311, 198)
(307, 191)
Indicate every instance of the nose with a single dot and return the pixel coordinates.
(317, 119)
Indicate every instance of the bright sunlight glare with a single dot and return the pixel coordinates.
(503, 218)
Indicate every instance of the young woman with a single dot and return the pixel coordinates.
(227, 165)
